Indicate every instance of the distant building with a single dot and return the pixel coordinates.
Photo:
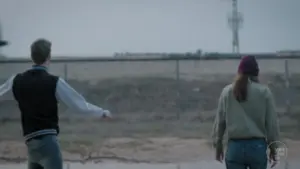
(288, 53)
(137, 55)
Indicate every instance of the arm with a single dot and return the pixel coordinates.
(272, 126)
(219, 125)
(75, 101)
(6, 89)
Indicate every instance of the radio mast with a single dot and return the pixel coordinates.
(2, 42)
(235, 21)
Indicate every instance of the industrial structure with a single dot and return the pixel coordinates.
(2, 42)
(235, 20)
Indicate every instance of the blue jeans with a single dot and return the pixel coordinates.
(44, 153)
(246, 153)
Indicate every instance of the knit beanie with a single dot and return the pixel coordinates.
(248, 66)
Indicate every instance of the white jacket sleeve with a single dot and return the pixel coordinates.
(76, 101)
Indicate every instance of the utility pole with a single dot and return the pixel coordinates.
(235, 20)
(2, 42)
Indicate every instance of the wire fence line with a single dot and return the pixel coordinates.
(179, 69)
(176, 66)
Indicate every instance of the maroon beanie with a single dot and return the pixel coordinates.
(249, 66)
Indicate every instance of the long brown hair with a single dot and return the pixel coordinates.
(240, 88)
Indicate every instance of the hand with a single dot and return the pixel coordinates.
(219, 153)
(273, 158)
(106, 114)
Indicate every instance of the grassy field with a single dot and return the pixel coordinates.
(156, 117)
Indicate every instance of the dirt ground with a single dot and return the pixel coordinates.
(156, 120)
(134, 150)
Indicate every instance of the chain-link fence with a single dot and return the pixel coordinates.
(149, 99)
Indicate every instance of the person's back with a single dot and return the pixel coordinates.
(247, 119)
(35, 92)
(246, 110)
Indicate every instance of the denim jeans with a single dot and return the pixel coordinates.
(44, 153)
(246, 153)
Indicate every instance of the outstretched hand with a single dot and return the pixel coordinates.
(106, 114)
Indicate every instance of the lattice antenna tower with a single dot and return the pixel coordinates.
(235, 21)
(2, 41)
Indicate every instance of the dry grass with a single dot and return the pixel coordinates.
(148, 108)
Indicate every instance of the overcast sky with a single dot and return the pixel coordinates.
(102, 27)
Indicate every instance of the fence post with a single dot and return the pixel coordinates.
(178, 104)
(287, 86)
(66, 71)
(177, 70)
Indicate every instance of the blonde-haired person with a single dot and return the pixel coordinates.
(246, 111)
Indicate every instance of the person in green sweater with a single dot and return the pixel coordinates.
(246, 111)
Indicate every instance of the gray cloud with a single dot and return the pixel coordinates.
(102, 27)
